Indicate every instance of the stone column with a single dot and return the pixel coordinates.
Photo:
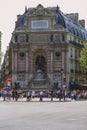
(27, 61)
(63, 61)
(51, 61)
(27, 67)
(51, 64)
(15, 62)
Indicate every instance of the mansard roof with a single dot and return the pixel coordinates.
(71, 26)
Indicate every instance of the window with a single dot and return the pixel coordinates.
(63, 37)
(75, 53)
(38, 24)
(71, 53)
(27, 38)
(51, 37)
(16, 38)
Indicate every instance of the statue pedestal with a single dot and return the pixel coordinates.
(39, 81)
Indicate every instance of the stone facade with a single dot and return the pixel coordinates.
(41, 49)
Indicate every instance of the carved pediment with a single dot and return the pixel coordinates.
(41, 11)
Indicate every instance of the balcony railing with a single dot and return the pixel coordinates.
(76, 43)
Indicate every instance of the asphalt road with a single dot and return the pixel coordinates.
(43, 115)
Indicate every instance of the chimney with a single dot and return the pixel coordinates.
(73, 16)
(82, 22)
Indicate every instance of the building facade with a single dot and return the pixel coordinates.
(1, 57)
(0, 50)
(45, 47)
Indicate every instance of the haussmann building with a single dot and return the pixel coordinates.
(46, 45)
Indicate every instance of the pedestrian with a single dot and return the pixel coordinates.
(4, 95)
(33, 94)
(60, 94)
(64, 94)
(41, 95)
(51, 94)
(13, 94)
(28, 95)
(16, 95)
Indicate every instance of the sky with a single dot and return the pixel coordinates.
(9, 9)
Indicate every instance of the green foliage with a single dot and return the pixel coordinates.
(83, 57)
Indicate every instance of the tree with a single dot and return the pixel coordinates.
(83, 57)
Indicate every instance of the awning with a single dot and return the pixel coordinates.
(81, 86)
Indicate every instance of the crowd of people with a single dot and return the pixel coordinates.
(15, 95)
